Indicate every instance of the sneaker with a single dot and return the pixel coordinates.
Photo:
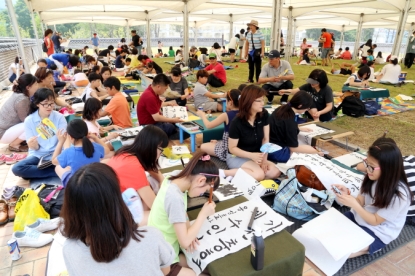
(14, 158)
(2, 159)
(44, 225)
(32, 238)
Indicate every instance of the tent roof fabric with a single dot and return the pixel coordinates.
(308, 14)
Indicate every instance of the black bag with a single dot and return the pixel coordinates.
(372, 107)
(44, 48)
(193, 63)
(51, 198)
(352, 106)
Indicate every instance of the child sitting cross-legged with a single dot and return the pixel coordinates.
(81, 152)
(203, 97)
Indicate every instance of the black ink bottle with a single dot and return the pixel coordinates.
(257, 250)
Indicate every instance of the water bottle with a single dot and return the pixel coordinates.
(257, 250)
(134, 204)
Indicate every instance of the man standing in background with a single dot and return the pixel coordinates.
(136, 41)
(95, 43)
(326, 39)
(57, 40)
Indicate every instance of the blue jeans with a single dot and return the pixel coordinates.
(27, 169)
(58, 50)
(139, 49)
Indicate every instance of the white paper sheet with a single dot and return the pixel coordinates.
(175, 111)
(330, 239)
(180, 149)
(167, 163)
(251, 188)
(350, 159)
(305, 138)
(226, 232)
(328, 172)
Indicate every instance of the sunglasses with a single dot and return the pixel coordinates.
(370, 168)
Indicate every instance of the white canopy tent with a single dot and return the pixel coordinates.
(341, 15)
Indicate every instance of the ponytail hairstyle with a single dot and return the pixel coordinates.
(233, 95)
(40, 95)
(16, 60)
(78, 129)
(392, 176)
(23, 82)
(383, 139)
(300, 100)
(201, 164)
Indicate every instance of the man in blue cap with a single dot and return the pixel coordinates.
(276, 74)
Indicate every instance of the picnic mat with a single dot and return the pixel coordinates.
(351, 265)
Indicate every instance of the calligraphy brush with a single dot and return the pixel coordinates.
(181, 160)
(210, 193)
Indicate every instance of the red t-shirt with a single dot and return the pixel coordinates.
(148, 104)
(327, 43)
(220, 71)
(130, 172)
(346, 55)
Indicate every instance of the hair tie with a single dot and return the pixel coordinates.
(205, 157)
(377, 147)
(239, 97)
(289, 104)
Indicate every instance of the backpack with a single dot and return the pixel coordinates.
(352, 106)
(372, 107)
(51, 198)
(193, 63)
(44, 48)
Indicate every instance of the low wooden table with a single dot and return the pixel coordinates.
(284, 255)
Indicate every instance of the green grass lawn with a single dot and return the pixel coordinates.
(401, 126)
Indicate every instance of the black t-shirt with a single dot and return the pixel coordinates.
(136, 40)
(320, 100)
(249, 137)
(306, 58)
(104, 53)
(283, 132)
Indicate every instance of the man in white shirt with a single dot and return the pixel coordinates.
(233, 45)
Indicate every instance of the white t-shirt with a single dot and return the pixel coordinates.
(86, 93)
(201, 58)
(13, 65)
(394, 215)
(93, 127)
(218, 53)
(364, 50)
(391, 73)
(372, 74)
(80, 76)
(379, 60)
(354, 77)
(232, 43)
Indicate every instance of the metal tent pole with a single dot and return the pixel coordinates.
(13, 19)
(230, 27)
(358, 34)
(149, 52)
(401, 28)
(341, 37)
(185, 32)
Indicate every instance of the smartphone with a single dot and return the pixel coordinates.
(336, 190)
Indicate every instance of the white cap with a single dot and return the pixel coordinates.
(258, 232)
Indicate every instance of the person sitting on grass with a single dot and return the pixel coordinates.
(346, 54)
(359, 79)
(83, 152)
(344, 68)
(118, 107)
(202, 96)
(248, 131)
(149, 105)
(220, 148)
(306, 59)
(93, 89)
(284, 128)
(145, 60)
(149, 69)
(216, 71)
(390, 73)
(322, 94)
(120, 61)
(178, 84)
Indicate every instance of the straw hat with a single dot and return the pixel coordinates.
(253, 22)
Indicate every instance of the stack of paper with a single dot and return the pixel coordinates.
(330, 239)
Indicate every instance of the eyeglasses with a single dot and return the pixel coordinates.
(46, 105)
(370, 168)
(160, 149)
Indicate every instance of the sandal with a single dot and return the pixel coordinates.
(19, 149)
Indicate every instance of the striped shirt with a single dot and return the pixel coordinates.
(409, 167)
(257, 37)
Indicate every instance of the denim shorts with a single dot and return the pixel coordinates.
(235, 162)
(325, 52)
(374, 246)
